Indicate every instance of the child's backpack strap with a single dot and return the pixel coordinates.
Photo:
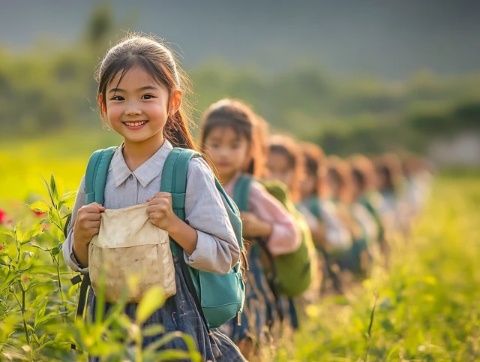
(96, 175)
(241, 192)
(219, 297)
(313, 205)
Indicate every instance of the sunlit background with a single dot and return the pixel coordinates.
(352, 76)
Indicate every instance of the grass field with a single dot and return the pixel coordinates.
(25, 164)
(425, 307)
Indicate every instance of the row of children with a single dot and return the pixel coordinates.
(306, 219)
(351, 208)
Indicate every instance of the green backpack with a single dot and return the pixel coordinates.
(219, 296)
(294, 271)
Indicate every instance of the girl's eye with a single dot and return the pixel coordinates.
(148, 96)
(116, 98)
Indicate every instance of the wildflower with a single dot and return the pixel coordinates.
(3, 217)
(38, 213)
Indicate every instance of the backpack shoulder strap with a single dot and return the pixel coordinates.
(174, 181)
(313, 204)
(96, 175)
(174, 177)
(241, 192)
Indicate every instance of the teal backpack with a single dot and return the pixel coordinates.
(294, 271)
(219, 297)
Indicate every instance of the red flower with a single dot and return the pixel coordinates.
(39, 213)
(3, 217)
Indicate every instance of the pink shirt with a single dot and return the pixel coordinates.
(285, 237)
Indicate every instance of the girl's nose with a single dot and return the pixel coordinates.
(132, 109)
(132, 112)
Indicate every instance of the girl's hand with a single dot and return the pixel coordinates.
(160, 212)
(254, 227)
(87, 225)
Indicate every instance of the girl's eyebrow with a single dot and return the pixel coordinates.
(148, 87)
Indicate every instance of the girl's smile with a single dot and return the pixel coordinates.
(134, 125)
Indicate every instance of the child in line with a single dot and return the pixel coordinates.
(339, 178)
(390, 183)
(140, 92)
(232, 137)
(330, 234)
(286, 164)
(364, 193)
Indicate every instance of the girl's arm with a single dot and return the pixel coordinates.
(216, 248)
(284, 237)
(67, 246)
(316, 226)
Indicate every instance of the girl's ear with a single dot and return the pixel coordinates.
(101, 105)
(174, 102)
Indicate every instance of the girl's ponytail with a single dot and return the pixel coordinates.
(176, 131)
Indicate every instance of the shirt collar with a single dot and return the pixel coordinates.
(146, 172)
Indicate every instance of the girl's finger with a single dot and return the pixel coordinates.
(92, 224)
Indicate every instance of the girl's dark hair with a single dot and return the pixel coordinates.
(238, 116)
(314, 161)
(290, 149)
(156, 59)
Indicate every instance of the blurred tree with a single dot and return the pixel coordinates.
(100, 27)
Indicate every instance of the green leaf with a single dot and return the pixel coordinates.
(56, 250)
(173, 354)
(53, 187)
(153, 330)
(151, 301)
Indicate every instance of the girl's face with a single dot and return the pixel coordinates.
(309, 185)
(229, 151)
(137, 107)
(333, 185)
(279, 168)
